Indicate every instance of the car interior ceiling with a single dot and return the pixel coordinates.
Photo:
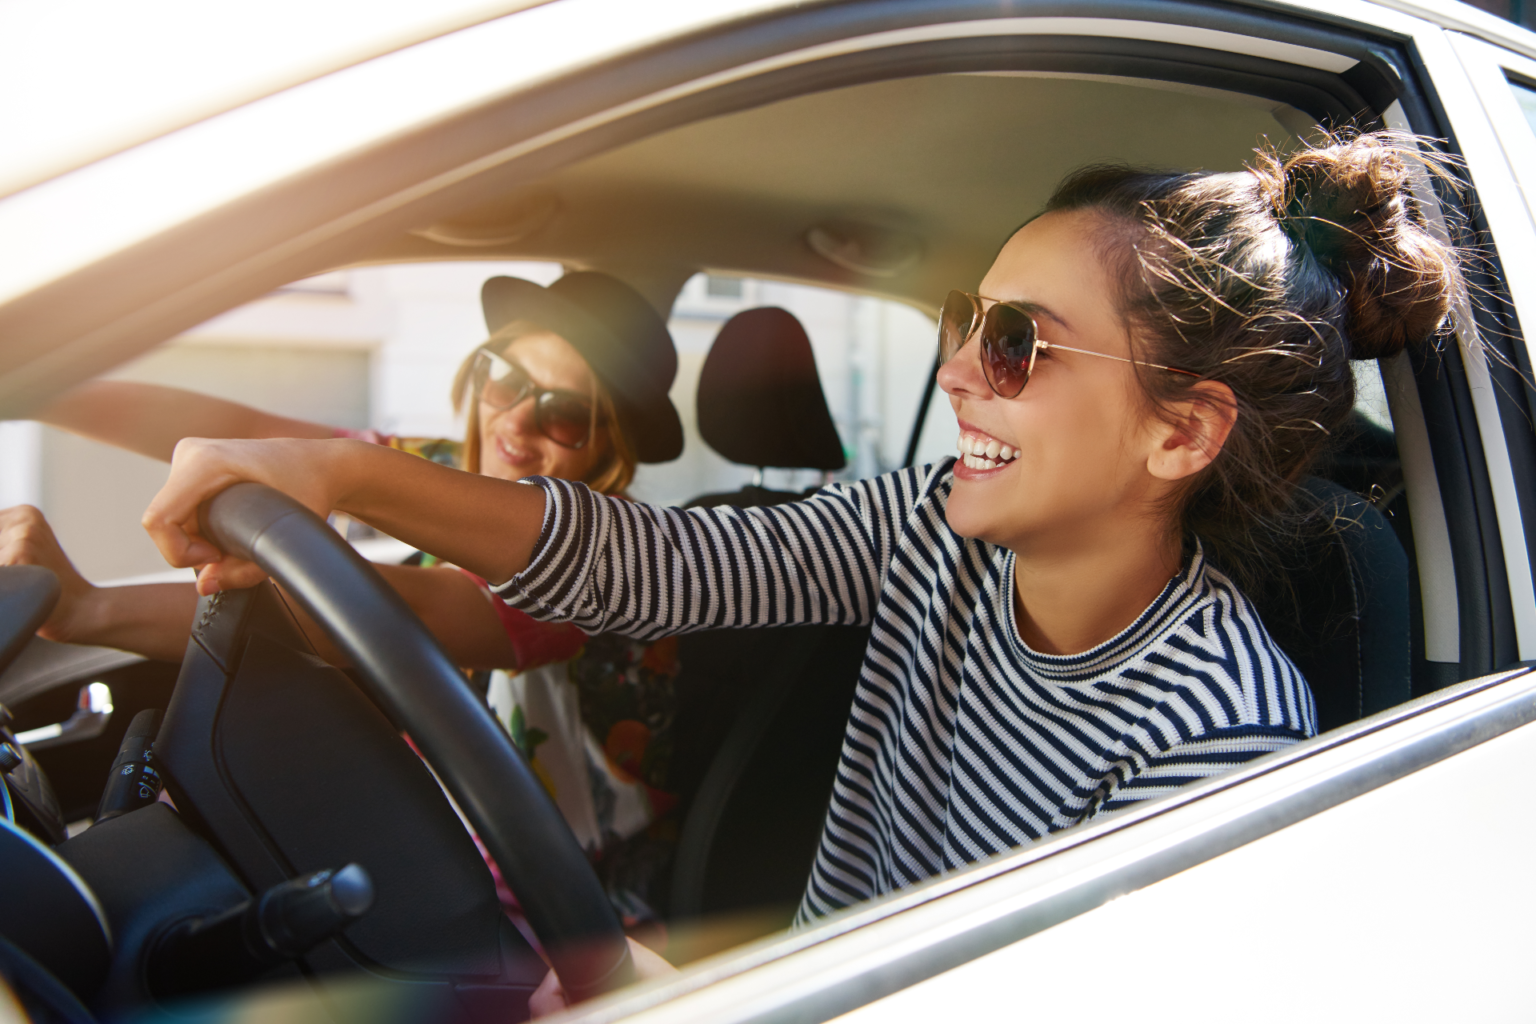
(924, 161)
(922, 158)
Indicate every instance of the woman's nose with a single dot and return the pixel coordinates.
(520, 417)
(961, 376)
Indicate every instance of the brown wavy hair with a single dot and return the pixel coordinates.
(613, 472)
(1270, 281)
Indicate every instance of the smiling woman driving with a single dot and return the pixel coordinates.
(1147, 369)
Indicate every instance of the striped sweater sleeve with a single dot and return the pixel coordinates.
(607, 564)
(1211, 754)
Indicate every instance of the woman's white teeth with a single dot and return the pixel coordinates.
(984, 453)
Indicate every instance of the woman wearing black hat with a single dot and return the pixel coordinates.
(597, 361)
(572, 383)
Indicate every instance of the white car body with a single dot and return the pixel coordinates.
(1380, 871)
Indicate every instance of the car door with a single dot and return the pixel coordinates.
(1330, 840)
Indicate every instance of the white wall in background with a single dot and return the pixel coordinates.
(21, 458)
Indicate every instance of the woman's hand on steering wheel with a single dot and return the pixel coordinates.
(27, 539)
(309, 471)
(149, 619)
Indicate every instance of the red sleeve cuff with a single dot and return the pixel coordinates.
(535, 643)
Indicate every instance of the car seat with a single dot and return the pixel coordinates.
(1339, 606)
(760, 404)
(761, 713)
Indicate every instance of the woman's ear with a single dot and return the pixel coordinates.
(1193, 431)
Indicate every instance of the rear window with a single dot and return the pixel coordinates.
(377, 347)
(1525, 95)
(873, 356)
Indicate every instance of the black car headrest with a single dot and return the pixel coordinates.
(759, 399)
(1343, 616)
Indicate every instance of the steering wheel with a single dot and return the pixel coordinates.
(408, 674)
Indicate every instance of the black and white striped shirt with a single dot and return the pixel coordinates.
(962, 742)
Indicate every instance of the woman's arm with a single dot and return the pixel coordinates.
(483, 524)
(150, 419)
(451, 605)
(550, 998)
(602, 562)
(155, 620)
(1214, 753)
(645, 571)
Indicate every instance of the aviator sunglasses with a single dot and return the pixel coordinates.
(565, 417)
(1010, 341)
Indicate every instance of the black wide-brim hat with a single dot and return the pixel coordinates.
(623, 339)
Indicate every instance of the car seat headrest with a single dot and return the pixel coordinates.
(760, 401)
(1339, 606)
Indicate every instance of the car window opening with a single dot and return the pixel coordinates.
(705, 815)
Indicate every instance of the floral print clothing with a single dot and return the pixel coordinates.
(441, 450)
(593, 716)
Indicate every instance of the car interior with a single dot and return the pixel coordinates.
(896, 174)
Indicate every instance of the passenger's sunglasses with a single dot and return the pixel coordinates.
(565, 417)
(1010, 341)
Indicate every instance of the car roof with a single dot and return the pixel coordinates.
(240, 53)
(1461, 17)
(97, 77)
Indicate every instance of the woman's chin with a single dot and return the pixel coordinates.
(969, 514)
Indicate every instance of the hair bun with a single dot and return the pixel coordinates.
(1348, 204)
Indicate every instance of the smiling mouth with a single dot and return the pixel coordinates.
(984, 452)
(510, 452)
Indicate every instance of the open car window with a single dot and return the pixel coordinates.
(1525, 95)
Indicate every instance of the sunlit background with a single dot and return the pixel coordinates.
(378, 346)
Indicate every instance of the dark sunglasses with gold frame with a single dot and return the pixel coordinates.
(565, 417)
(1009, 338)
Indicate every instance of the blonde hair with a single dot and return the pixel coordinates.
(615, 468)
